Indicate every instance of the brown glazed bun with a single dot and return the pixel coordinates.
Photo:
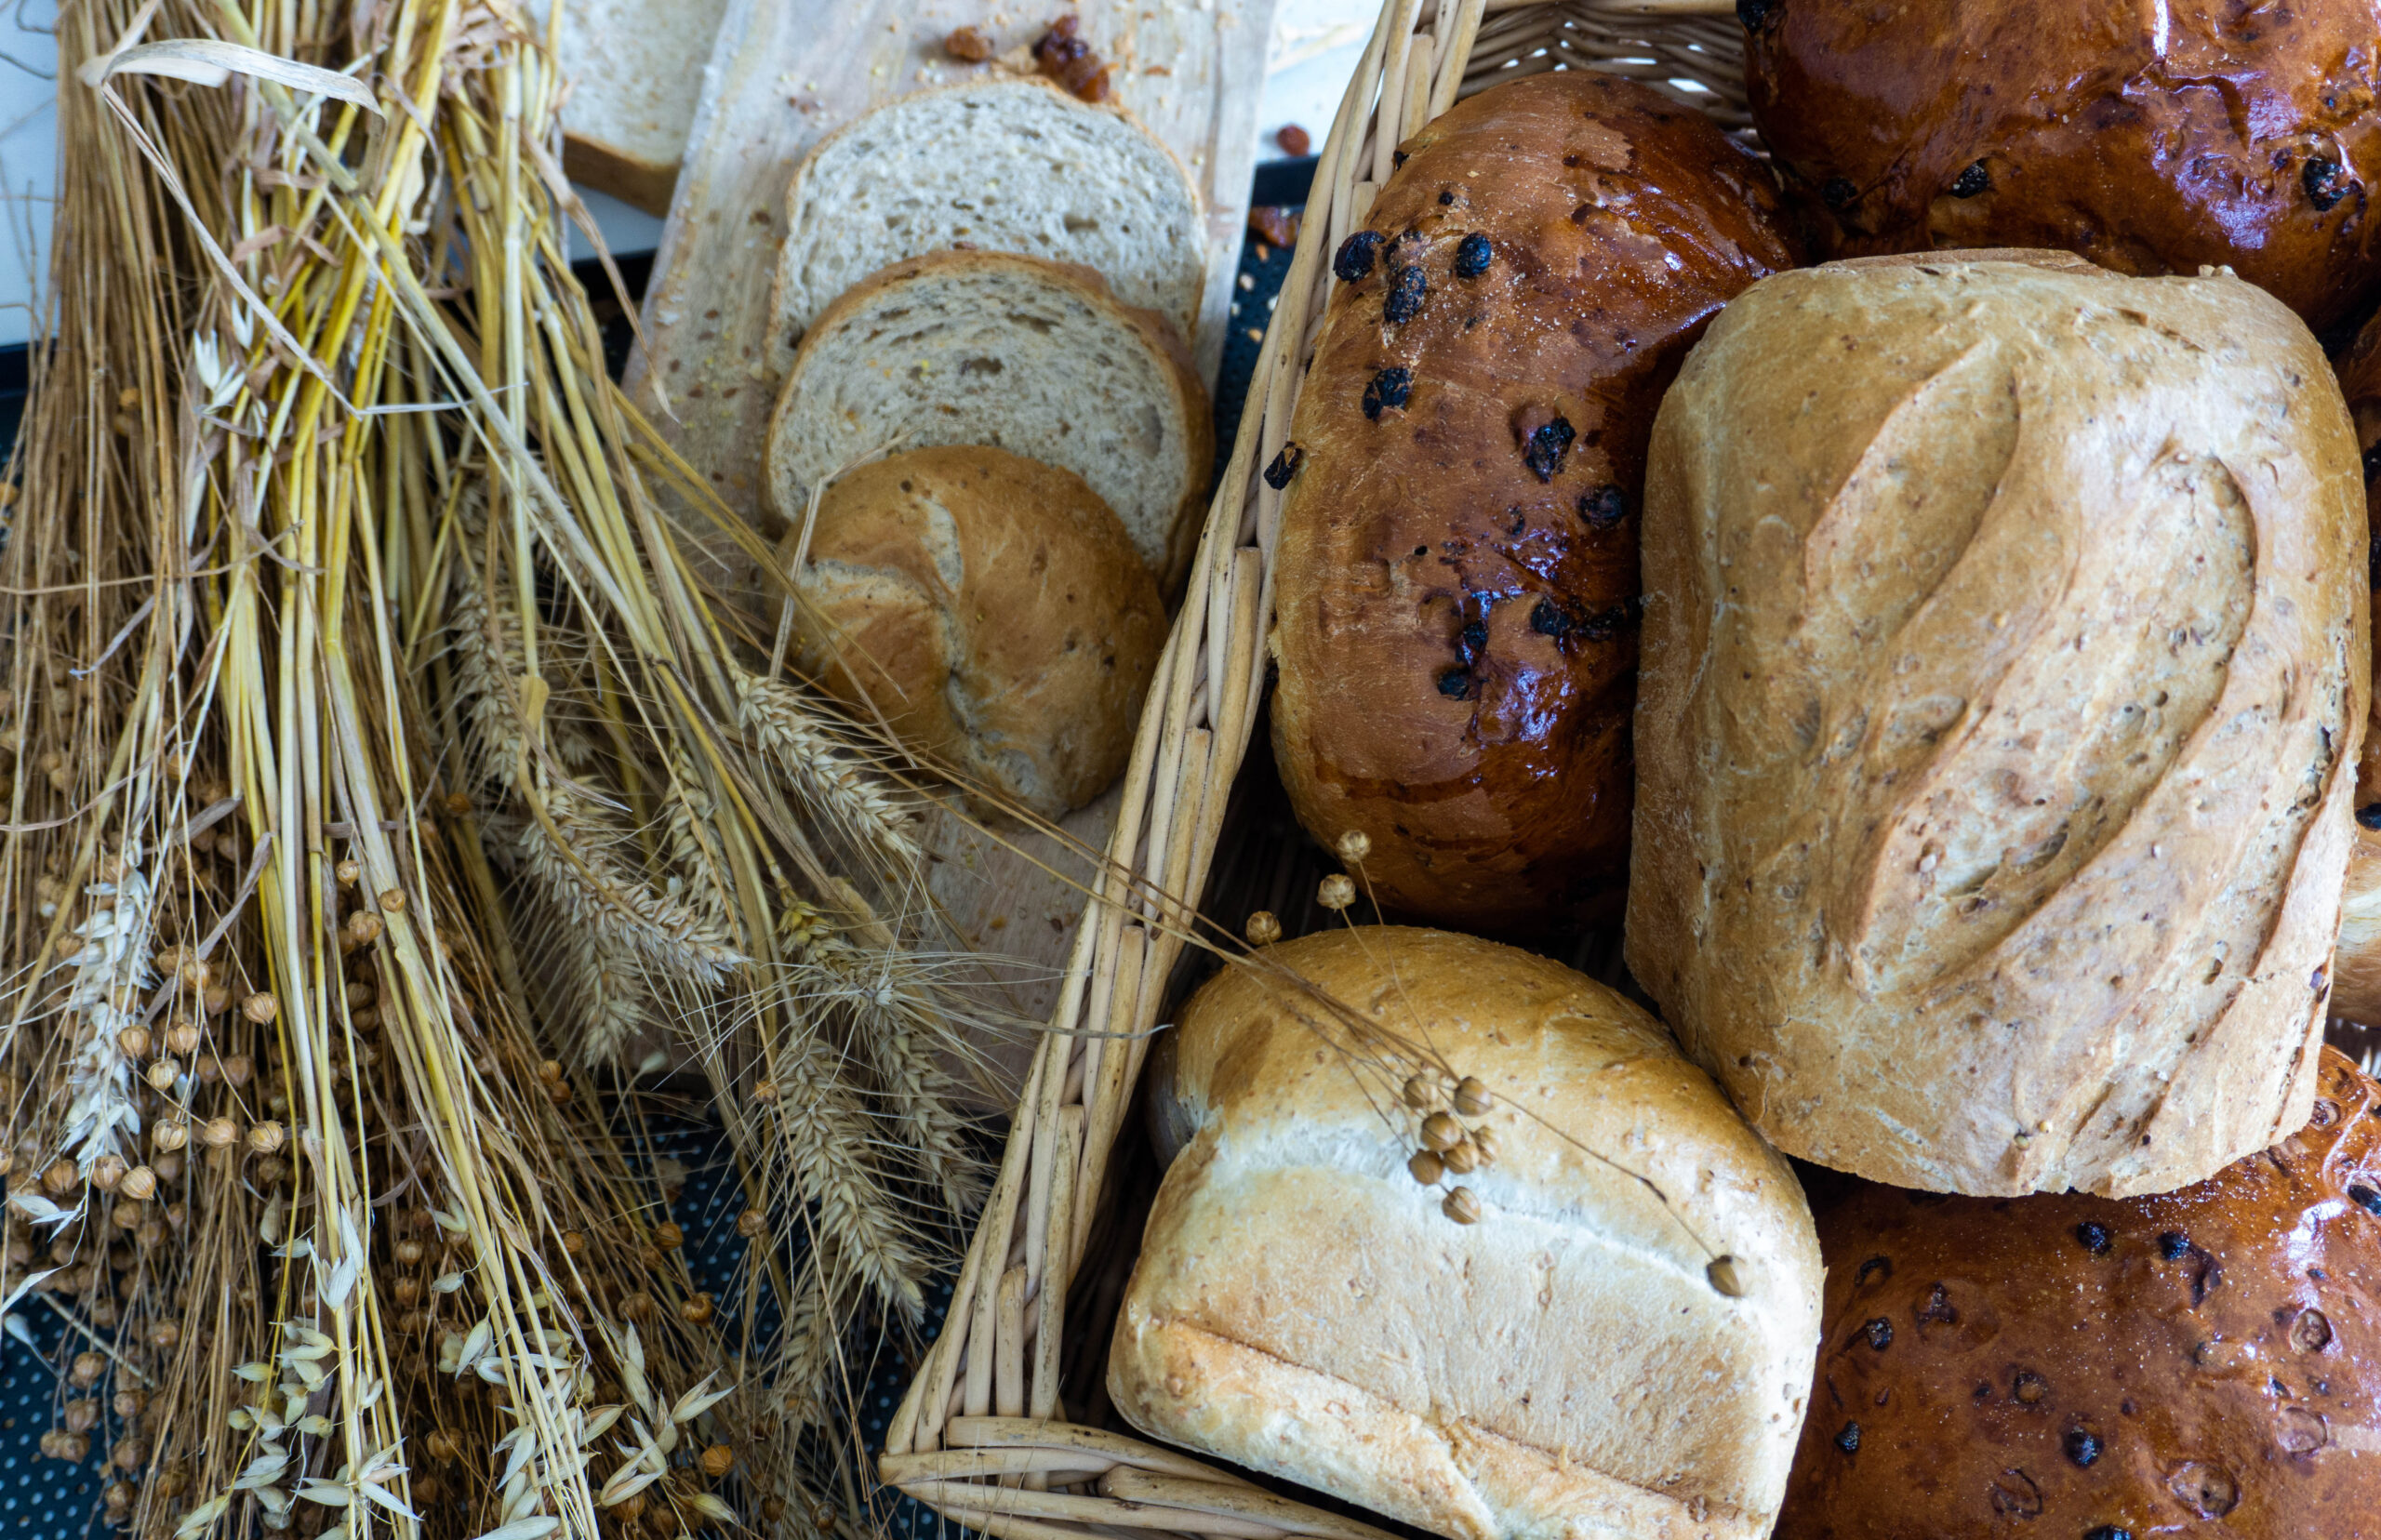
(2067, 1367)
(1459, 549)
(2356, 969)
(2151, 137)
(2005, 660)
(992, 608)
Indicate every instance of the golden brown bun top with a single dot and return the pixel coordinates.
(1459, 541)
(2152, 138)
(992, 609)
(2047, 1366)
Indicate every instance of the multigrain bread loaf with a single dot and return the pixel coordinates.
(635, 68)
(2005, 664)
(1459, 549)
(2064, 1366)
(1031, 356)
(999, 165)
(1621, 1345)
(991, 609)
(2151, 137)
(2356, 968)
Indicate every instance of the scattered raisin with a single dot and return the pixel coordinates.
(1068, 60)
(1293, 139)
(1389, 387)
(1405, 292)
(1605, 624)
(1284, 466)
(1876, 1267)
(1546, 619)
(2028, 1388)
(1446, 196)
(1938, 1308)
(1354, 259)
(2365, 1198)
(1838, 193)
(1472, 256)
(2326, 182)
(1849, 1439)
(2093, 1238)
(2173, 1245)
(1273, 225)
(1879, 1333)
(1471, 639)
(1455, 684)
(1604, 507)
(2108, 1532)
(2082, 1446)
(1544, 451)
(2369, 815)
(1973, 181)
(1756, 14)
(968, 46)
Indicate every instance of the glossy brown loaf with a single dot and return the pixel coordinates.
(1458, 548)
(2066, 1366)
(2356, 970)
(2006, 659)
(2151, 137)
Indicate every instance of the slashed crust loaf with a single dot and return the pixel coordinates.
(1459, 552)
(2150, 138)
(2206, 1362)
(2007, 661)
(991, 609)
(2356, 968)
(1580, 1362)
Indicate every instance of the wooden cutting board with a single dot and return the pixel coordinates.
(783, 75)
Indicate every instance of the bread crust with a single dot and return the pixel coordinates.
(2200, 1363)
(1455, 629)
(993, 610)
(2356, 967)
(1155, 332)
(1565, 1367)
(634, 181)
(2005, 665)
(2153, 138)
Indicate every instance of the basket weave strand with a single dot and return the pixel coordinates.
(980, 1436)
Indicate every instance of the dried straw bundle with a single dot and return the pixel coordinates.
(378, 757)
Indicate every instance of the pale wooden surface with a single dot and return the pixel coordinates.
(784, 73)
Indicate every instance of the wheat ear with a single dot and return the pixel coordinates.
(827, 1135)
(813, 760)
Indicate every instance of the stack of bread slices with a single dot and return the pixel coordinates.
(992, 445)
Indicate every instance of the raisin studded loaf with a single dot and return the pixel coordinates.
(2151, 137)
(1458, 552)
(2076, 1368)
(2356, 968)
(2005, 664)
(993, 610)
(1591, 1317)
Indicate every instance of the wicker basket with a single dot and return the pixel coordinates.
(981, 1437)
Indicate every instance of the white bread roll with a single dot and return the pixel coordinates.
(2005, 664)
(1581, 1362)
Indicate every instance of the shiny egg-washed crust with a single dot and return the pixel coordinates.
(2151, 137)
(2356, 969)
(1457, 630)
(2005, 660)
(1564, 1369)
(2061, 1366)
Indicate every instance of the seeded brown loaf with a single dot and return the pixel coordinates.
(2152, 138)
(2070, 1367)
(992, 609)
(2005, 664)
(1620, 1346)
(2356, 969)
(1459, 550)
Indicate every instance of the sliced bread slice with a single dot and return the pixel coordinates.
(635, 68)
(1004, 164)
(1034, 357)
